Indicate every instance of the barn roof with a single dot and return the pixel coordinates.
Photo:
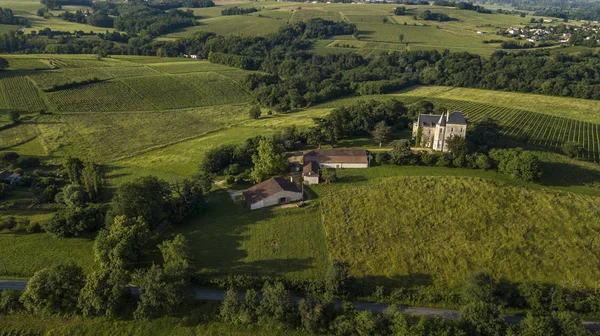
(269, 188)
(338, 156)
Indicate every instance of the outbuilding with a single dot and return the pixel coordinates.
(339, 158)
(271, 192)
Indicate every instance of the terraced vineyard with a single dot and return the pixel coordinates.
(533, 128)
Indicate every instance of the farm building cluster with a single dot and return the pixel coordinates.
(551, 34)
(275, 191)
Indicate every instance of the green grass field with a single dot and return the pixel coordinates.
(512, 232)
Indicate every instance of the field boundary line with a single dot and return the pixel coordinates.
(138, 94)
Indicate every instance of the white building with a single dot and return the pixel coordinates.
(271, 192)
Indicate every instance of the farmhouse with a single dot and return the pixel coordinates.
(8, 177)
(272, 192)
(432, 130)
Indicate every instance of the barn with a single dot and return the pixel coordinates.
(339, 158)
(271, 192)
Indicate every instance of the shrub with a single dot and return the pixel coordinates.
(9, 301)
(54, 289)
(382, 158)
(573, 149)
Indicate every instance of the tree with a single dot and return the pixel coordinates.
(92, 179)
(9, 301)
(105, 293)
(573, 149)
(147, 197)
(314, 315)
(54, 289)
(517, 163)
(268, 161)
(162, 292)
(73, 195)
(14, 116)
(457, 145)
(277, 309)
(401, 152)
(336, 278)
(254, 112)
(382, 133)
(328, 175)
(73, 166)
(3, 63)
(482, 318)
(484, 134)
(230, 307)
(122, 244)
(479, 287)
(175, 254)
(401, 38)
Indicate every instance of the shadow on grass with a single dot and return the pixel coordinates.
(405, 281)
(563, 175)
(218, 241)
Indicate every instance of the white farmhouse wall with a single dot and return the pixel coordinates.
(311, 179)
(343, 165)
(274, 199)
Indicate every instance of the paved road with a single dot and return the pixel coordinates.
(219, 295)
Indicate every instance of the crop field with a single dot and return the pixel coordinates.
(46, 80)
(190, 90)
(512, 232)
(307, 14)
(243, 25)
(19, 93)
(16, 135)
(103, 137)
(186, 67)
(98, 97)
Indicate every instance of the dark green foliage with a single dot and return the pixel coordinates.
(555, 324)
(14, 116)
(105, 293)
(73, 167)
(382, 133)
(254, 112)
(400, 11)
(382, 158)
(277, 309)
(479, 287)
(485, 134)
(482, 318)
(238, 11)
(122, 244)
(320, 28)
(189, 199)
(337, 277)
(54, 289)
(92, 179)
(328, 175)
(73, 221)
(573, 149)
(236, 61)
(401, 152)
(457, 145)
(315, 315)
(147, 197)
(269, 161)
(8, 158)
(9, 302)
(164, 290)
(428, 15)
(135, 18)
(7, 17)
(517, 163)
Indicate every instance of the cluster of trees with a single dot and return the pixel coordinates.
(99, 18)
(134, 19)
(3, 64)
(165, 5)
(64, 288)
(430, 16)
(238, 11)
(462, 5)
(7, 17)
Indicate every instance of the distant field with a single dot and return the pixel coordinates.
(511, 232)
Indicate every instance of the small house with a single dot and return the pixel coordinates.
(9, 178)
(311, 172)
(271, 192)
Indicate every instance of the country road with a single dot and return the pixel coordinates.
(219, 295)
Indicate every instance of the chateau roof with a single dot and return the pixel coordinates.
(457, 118)
(428, 120)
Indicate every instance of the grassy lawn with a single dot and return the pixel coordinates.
(231, 239)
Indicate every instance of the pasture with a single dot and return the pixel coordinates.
(511, 232)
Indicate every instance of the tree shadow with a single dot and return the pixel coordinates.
(564, 174)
